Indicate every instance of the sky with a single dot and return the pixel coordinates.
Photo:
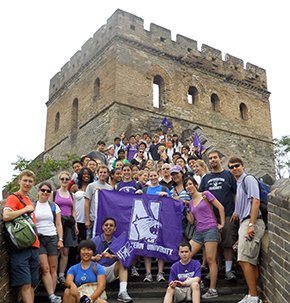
(39, 37)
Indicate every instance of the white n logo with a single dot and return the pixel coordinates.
(145, 222)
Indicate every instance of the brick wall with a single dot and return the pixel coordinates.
(275, 256)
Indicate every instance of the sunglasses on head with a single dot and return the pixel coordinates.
(234, 166)
(64, 179)
(45, 190)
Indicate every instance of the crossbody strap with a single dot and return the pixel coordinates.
(210, 206)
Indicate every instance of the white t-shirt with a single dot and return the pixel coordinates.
(44, 219)
(80, 206)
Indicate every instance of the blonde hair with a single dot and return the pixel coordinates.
(28, 173)
(64, 173)
(162, 148)
(203, 165)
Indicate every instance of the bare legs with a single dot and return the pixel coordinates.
(48, 265)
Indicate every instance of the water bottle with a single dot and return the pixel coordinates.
(28, 218)
(174, 194)
(89, 234)
(84, 299)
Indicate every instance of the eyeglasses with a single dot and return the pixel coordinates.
(45, 190)
(167, 168)
(64, 179)
(234, 166)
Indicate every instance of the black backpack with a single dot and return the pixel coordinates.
(264, 191)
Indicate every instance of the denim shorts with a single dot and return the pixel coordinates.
(210, 235)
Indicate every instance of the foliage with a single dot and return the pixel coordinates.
(282, 155)
(43, 170)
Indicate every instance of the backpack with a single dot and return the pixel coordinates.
(20, 233)
(137, 185)
(52, 207)
(264, 191)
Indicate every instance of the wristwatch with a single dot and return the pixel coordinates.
(251, 224)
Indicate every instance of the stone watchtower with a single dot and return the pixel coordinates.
(107, 88)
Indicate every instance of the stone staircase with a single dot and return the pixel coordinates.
(141, 292)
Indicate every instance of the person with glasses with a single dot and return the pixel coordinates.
(166, 180)
(66, 202)
(252, 226)
(50, 234)
(139, 160)
(222, 184)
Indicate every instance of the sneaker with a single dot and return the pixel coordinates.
(230, 275)
(148, 277)
(124, 297)
(61, 280)
(210, 294)
(56, 299)
(134, 272)
(252, 300)
(244, 300)
(160, 277)
(207, 277)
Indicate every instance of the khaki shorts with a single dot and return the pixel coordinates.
(182, 293)
(230, 233)
(110, 277)
(248, 251)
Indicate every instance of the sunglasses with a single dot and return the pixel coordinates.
(234, 166)
(64, 179)
(43, 190)
(141, 152)
(167, 168)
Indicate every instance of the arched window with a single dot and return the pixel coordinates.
(97, 89)
(158, 91)
(244, 111)
(74, 114)
(56, 122)
(192, 95)
(215, 103)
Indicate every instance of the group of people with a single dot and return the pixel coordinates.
(214, 201)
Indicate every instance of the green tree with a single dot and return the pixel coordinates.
(282, 155)
(43, 170)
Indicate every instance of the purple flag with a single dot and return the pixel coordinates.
(123, 249)
(196, 142)
(166, 122)
(152, 223)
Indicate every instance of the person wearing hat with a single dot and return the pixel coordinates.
(83, 273)
(178, 192)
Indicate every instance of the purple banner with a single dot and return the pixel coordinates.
(123, 249)
(152, 223)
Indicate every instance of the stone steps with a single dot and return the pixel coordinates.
(143, 292)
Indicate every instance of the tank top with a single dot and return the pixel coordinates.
(65, 204)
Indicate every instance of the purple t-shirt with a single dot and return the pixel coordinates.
(132, 150)
(181, 272)
(128, 187)
(65, 204)
(203, 214)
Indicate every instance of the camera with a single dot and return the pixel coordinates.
(84, 299)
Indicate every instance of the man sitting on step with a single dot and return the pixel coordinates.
(112, 266)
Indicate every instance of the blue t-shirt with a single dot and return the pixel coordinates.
(127, 187)
(156, 190)
(181, 272)
(82, 275)
(100, 247)
(223, 186)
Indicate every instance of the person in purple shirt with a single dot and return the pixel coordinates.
(131, 148)
(207, 229)
(184, 277)
(113, 267)
(128, 185)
